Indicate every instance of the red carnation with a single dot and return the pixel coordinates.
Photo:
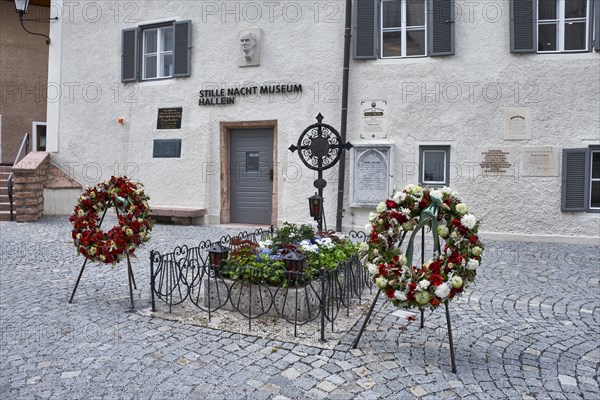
(473, 239)
(390, 293)
(436, 279)
(455, 222)
(435, 302)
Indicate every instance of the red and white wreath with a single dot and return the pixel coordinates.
(437, 280)
(132, 230)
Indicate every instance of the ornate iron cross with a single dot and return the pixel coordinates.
(320, 147)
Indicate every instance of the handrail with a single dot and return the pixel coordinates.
(24, 143)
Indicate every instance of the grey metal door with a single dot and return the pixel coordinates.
(251, 180)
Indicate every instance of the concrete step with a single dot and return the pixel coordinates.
(5, 215)
(4, 207)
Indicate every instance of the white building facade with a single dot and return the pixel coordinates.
(200, 101)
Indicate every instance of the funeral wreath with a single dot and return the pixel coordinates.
(455, 262)
(134, 223)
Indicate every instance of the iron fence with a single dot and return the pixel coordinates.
(185, 274)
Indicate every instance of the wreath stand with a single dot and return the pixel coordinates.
(129, 269)
(368, 316)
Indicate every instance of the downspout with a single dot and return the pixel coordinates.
(344, 119)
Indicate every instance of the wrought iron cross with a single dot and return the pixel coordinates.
(320, 147)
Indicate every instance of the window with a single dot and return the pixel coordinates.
(434, 165)
(595, 180)
(156, 51)
(581, 179)
(157, 60)
(562, 25)
(403, 28)
(553, 26)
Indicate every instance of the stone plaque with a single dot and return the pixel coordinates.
(370, 172)
(167, 148)
(497, 161)
(169, 118)
(374, 119)
(517, 123)
(539, 161)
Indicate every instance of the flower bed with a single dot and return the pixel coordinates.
(254, 281)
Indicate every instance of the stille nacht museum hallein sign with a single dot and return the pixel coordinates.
(215, 97)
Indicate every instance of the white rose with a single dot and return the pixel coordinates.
(442, 291)
(468, 221)
(436, 193)
(399, 196)
(405, 212)
(462, 208)
(373, 270)
(400, 295)
(380, 207)
(477, 251)
(408, 226)
(424, 284)
(381, 282)
(363, 247)
(472, 264)
(373, 217)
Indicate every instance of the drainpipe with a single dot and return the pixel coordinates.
(344, 121)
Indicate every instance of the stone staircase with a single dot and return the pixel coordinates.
(4, 203)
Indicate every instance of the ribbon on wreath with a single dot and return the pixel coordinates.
(430, 213)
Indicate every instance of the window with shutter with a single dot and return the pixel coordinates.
(581, 180)
(183, 48)
(129, 57)
(364, 37)
(403, 28)
(156, 51)
(552, 26)
(441, 23)
(523, 32)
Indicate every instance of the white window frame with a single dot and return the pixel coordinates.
(560, 21)
(422, 160)
(160, 52)
(592, 179)
(402, 29)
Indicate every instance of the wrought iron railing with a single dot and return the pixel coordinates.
(24, 145)
(185, 274)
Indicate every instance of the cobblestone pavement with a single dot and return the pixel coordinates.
(529, 328)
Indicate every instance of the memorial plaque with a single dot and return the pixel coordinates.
(374, 119)
(370, 171)
(167, 148)
(496, 161)
(169, 118)
(517, 123)
(539, 161)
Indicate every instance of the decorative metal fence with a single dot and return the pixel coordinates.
(186, 274)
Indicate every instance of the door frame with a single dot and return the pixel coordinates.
(225, 131)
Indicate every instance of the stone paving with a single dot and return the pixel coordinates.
(529, 328)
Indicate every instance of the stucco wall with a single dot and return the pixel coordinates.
(23, 76)
(561, 91)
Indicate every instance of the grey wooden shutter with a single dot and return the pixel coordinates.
(129, 55)
(364, 38)
(523, 26)
(183, 48)
(597, 25)
(575, 180)
(441, 27)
